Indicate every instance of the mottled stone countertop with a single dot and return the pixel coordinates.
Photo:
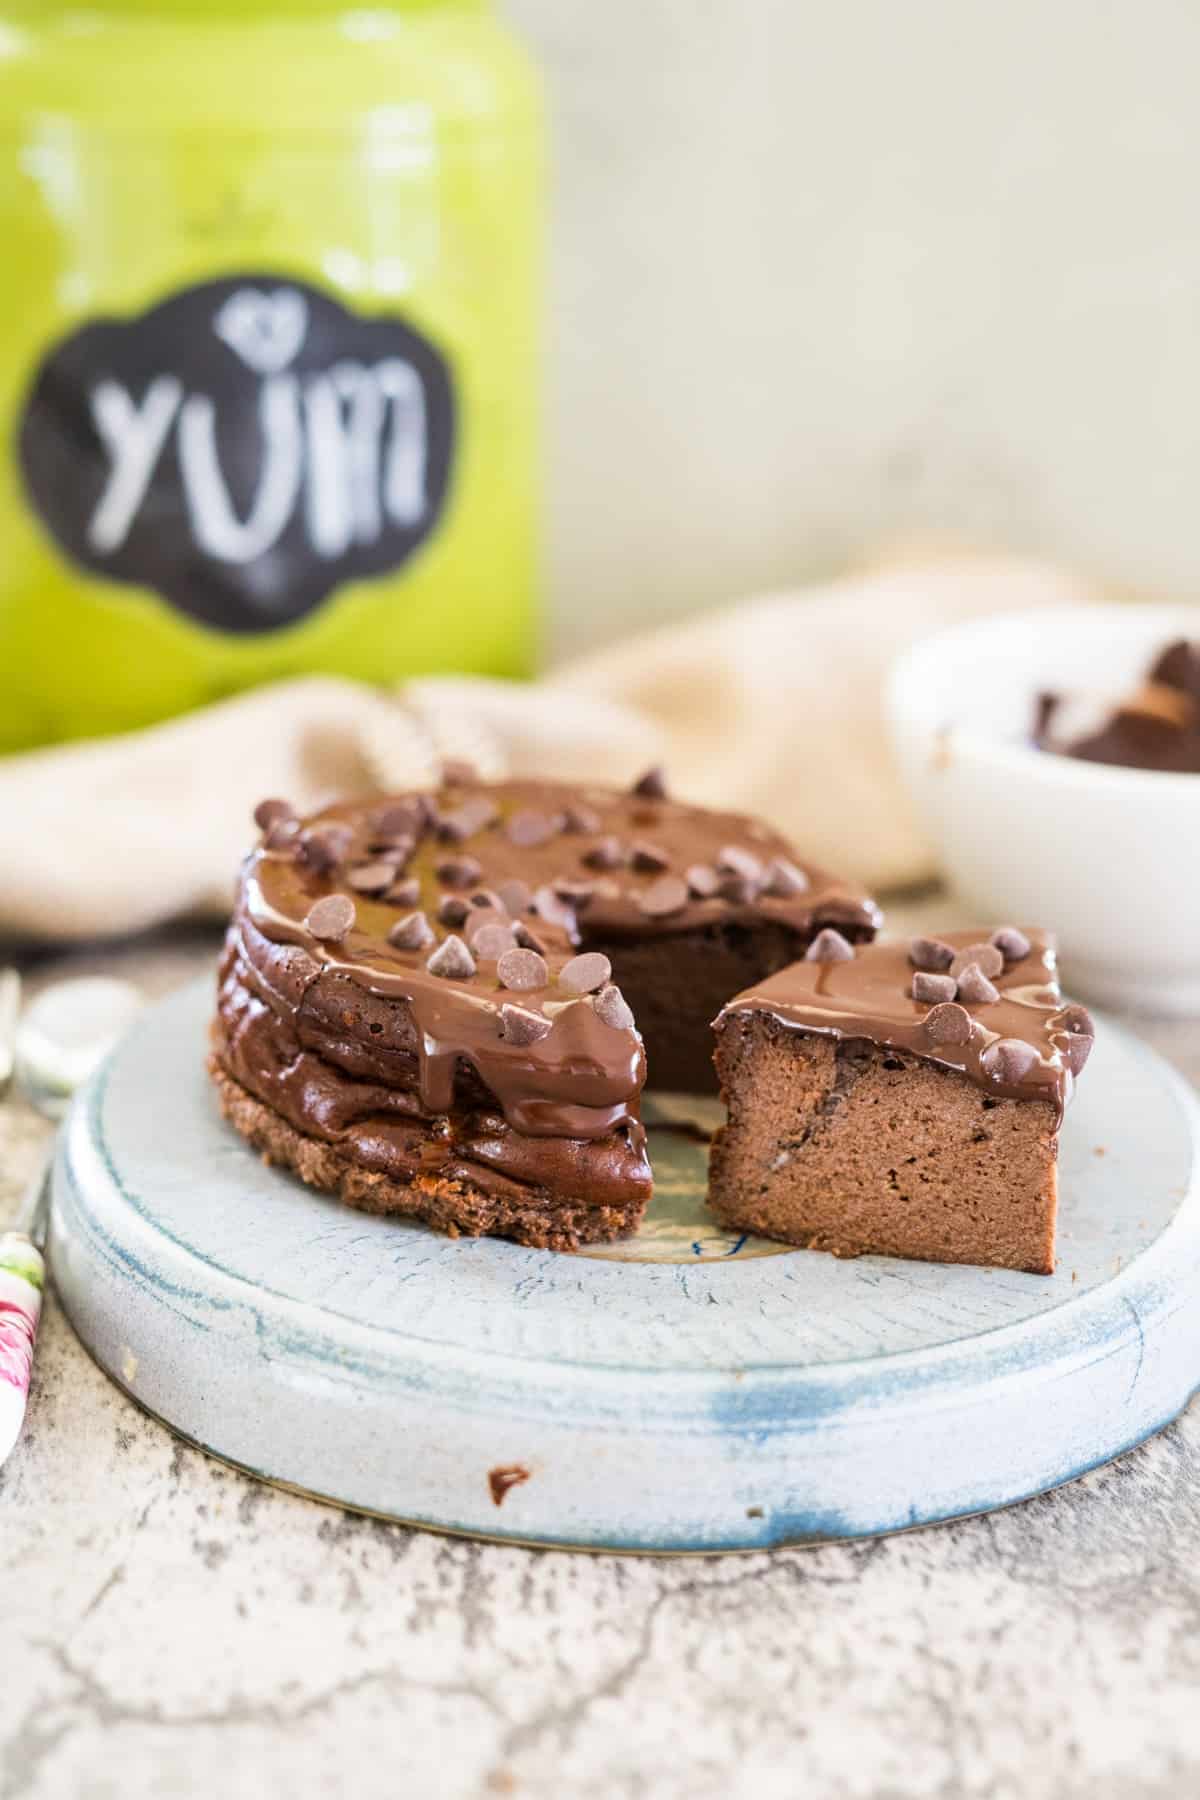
(171, 1628)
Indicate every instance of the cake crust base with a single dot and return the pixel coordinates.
(856, 1148)
(453, 1205)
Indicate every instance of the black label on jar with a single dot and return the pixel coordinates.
(244, 447)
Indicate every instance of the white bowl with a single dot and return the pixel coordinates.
(1108, 858)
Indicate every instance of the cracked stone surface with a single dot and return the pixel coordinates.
(172, 1628)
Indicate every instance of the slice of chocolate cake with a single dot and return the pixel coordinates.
(418, 1006)
(902, 1099)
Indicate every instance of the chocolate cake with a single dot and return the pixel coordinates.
(903, 1099)
(418, 1005)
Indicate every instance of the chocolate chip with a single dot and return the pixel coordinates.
(930, 954)
(784, 879)
(1078, 1023)
(485, 897)
(702, 881)
(322, 847)
(652, 785)
(330, 918)
(396, 850)
(465, 820)
(522, 970)
(649, 859)
(1008, 1060)
(605, 853)
(612, 1008)
(527, 938)
(733, 861)
(1012, 944)
(520, 1027)
(739, 890)
(581, 818)
(985, 956)
(459, 871)
(930, 989)
(371, 878)
(452, 909)
(576, 894)
(403, 818)
(584, 974)
(515, 896)
(412, 932)
(491, 942)
(273, 812)
(1077, 1020)
(975, 988)
(452, 960)
(665, 896)
(829, 946)
(283, 834)
(552, 910)
(528, 829)
(948, 1024)
(404, 893)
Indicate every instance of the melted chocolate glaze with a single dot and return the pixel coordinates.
(869, 997)
(358, 1030)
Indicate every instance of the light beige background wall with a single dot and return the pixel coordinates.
(821, 272)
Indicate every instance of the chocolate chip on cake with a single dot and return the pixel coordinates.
(931, 955)
(1008, 1060)
(406, 818)
(948, 1024)
(452, 960)
(516, 896)
(519, 1026)
(371, 878)
(784, 879)
(1077, 1021)
(452, 909)
(663, 897)
(829, 946)
(734, 861)
(484, 897)
(404, 893)
(1012, 944)
(528, 938)
(605, 853)
(492, 941)
(528, 829)
(552, 910)
(282, 834)
(652, 785)
(649, 859)
(330, 918)
(522, 970)
(576, 894)
(930, 990)
(612, 1008)
(459, 871)
(412, 932)
(739, 890)
(702, 881)
(975, 988)
(273, 812)
(584, 974)
(464, 821)
(322, 848)
(986, 957)
(580, 818)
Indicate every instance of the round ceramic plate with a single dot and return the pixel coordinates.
(684, 1390)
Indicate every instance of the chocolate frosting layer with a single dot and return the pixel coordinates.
(563, 866)
(1157, 728)
(1020, 1045)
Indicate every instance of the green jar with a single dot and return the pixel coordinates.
(268, 346)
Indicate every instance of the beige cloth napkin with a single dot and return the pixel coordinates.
(771, 706)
